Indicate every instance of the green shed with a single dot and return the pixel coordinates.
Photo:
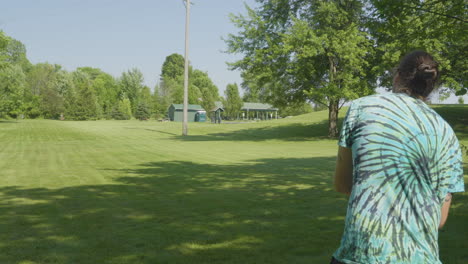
(176, 112)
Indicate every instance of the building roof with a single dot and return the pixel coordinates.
(258, 106)
(252, 106)
(219, 104)
(216, 108)
(189, 107)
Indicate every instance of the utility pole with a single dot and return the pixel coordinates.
(186, 77)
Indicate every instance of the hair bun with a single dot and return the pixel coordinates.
(426, 72)
(417, 74)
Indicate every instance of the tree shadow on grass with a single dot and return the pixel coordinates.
(263, 211)
(457, 117)
(292, 132)
(452, 237)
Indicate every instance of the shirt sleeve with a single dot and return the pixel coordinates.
(457, 182)
(451, 170)
(347, 129)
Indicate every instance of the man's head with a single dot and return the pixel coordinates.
(417, 74)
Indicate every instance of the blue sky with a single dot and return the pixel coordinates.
(117, 35)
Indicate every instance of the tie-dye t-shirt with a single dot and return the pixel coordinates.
(406, 159)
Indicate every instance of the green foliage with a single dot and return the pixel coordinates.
(208, 91)
(12, 86)
(31, 106)
(172, 79)
(123, 110)
(464, 149)
(295, 109)
(15, 53)
(173, 89)
(438, 27)
(172, 85)
(201, 89)
(233, 102)
(461, 100)
(143, 111)
(105, 86)
(333, 51)
(145, 95)
(159, 103)
(49, 83)
(296, 51)
(253, 92)
(13, 68)
(3, 44)
(92, 73)
(173, 66)
(46, 90)
(107, 91)
(131, 83)
(12, 52)
(82, 101)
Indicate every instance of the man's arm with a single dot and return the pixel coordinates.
(344, 171)
(445, 210)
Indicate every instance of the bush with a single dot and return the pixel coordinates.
(122, 111)
(143, 111)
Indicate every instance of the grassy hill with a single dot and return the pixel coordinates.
(138, 192)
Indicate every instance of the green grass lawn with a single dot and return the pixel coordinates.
(138, 192)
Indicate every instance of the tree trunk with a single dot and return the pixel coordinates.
(333, 118)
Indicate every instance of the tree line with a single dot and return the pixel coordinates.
(294, 52)
(333, 51)
(46, 90)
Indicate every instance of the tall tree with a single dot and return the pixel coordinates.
(12, 84)
(48, 83)
(81, 103)
(201, 88)
(160, 102)
(143, 110)
(16, 54)
(436, 26)
(107, 91)
(305, 50)
(208, 91)
(122, 110)
(173, 66)
(105, 86)
(3, 44)
(13, 52)
(145, 95)
(131, 84)
(233, 103)
(172, 80)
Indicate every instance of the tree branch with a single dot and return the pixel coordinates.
(437, 13)
(344, 101)
(322, 103)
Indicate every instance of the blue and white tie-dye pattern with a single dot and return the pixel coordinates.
(406, 159)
